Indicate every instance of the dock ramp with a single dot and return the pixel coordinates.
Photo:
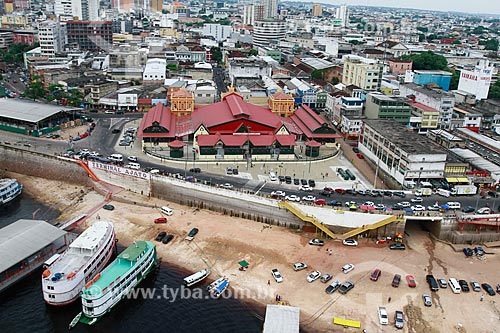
(307, 218)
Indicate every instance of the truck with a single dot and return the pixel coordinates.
(463, 190)
(423, 192)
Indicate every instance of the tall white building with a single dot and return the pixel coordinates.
(271, 8)
(84, 10)
(477, 81)
(268, 31)
(52, 37)
(342, 14)
(218, 31)
(248, 14)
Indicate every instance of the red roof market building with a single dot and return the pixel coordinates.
(233, 128)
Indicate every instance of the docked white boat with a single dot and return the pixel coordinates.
(216, 283)
(196, 277)
(66, 275)
(220, 288)
(9, 190)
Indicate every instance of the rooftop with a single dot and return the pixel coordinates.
(29, 111)
(281, 319)
(24, 238)
(407, 140)
(91, 237)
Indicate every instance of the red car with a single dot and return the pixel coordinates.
(320, 202)
(375, 274)
(360, 156)
(411, 281)
(328, 189)
(161, 220)
(340, 190)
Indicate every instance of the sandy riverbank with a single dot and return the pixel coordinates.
(223, 241)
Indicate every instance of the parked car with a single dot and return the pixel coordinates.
(292, 197)
(360, 156)
(227, 186)
(299, 266)
(332, 287)
(399, 194)
(396, 280)
(475, 286)
(355, 149)
(347, 268)
(326, 277)
(195, 170)
(132, 158)
(488, 289)
(320, 202)
(340, 190)
(316, 241)
(193, 232)
(469, 209)
(404, 204)
(277, 275)
(309, 198)
(288, 179)
(427, 299)
(411, 281)
(313, 276)
(278, 194)
(484, 210)
(442, 283)
(325, 193)
(397, 246)
(160, 220)
(344, 288)
(433, 208)
(431, 280)
(334, 203)
(464, 286)
(108, 207)
(160, 236)
(375, 274)
(303, 182)
(305, 188)
(399, 321)
(311, 183)
(418, 208)
(167, 239)
(468, 252)
(296, 181)
(350, 242)
(382, 316)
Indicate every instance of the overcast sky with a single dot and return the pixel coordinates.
(471, 6)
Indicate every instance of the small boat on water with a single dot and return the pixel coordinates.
(196, 277)
(219, 289)
(9, 190)
(215, 283)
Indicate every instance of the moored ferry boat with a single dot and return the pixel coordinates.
(9, 190)
(196, 277)
(64, 278)
(115, 282)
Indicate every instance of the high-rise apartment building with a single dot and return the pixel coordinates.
(271, 8)
(91, 36)
(266, 32)
(362, 72)
(85, 10)
(52, 37)
(342, 14)
(248, 14)
(317, 10)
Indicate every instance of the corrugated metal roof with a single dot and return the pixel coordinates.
(23, 238)
(281, 319)
(29, 111)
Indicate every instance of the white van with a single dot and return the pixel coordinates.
(455, 287)
(116, 157)
(454, 205)
(272, 176)
(443, 192)
(135, 166)
(166, 210)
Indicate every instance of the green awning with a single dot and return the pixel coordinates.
(243, 263)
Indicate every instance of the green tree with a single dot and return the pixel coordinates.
(335, 80)
(423, 29)
(74, 97)
(494, 91)
(35, 89)
(455, 77)
(490, 44)
(421, 37)
(317, 74)
(432, 37)
(253, 52)
(427, 61)
(216, 54)
(457, 42)
(479, 30)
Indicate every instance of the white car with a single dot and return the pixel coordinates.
(132, 158)
(416, 200)
(433, 207)
(313, 276)
(418, 208)
(278, 194)
(382, 316)
(350, 242)
(95, 154)
(404, 204)
(309, 198)
(226, 185)
(277, 275)
(316, 241)
(369, 203)
(379, 206)
(306, 188)
(347, 268)
(484, 210)
(292, 197)
(298, 266)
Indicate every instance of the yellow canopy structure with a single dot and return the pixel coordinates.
(347, 322)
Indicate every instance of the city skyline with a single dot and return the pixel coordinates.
(476, 7)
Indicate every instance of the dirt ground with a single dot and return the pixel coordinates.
(223, 241)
